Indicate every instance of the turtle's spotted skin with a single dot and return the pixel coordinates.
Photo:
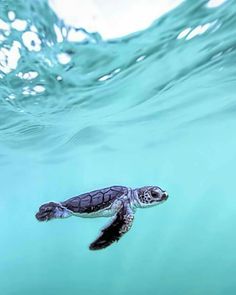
(117, 201)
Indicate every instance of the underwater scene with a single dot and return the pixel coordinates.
(80, 113)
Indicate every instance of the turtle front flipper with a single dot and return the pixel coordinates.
(119, 225)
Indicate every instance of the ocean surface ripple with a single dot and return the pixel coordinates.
(62, 88)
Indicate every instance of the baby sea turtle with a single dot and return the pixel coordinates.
(118, 201)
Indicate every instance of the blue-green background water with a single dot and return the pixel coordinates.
(156, 107)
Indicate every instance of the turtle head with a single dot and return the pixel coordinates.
(151, 196)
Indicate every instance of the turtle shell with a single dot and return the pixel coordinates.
(95, 200)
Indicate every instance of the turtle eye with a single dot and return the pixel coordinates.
(155, 194)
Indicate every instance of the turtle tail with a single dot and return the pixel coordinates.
(52, 210)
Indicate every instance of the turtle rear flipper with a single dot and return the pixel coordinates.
(52, 210)
(120, 224)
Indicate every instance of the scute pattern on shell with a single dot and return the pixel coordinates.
(95, 200)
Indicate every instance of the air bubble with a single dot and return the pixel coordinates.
(19, 25)
(184, 33)
(31, 41)
(215, 3)
(11, 15)
(140, 58)
(105, 78)
(63, 58)
(59, 78)
(39, 88)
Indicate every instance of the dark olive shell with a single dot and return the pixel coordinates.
(95, 200)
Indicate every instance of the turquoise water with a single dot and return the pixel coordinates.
(79, 113)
